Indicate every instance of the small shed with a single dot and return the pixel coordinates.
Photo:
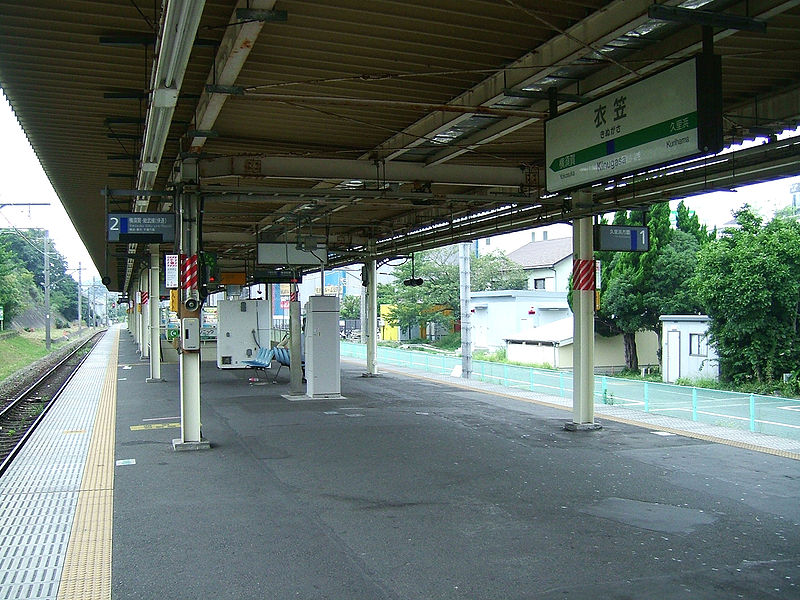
(685, 348)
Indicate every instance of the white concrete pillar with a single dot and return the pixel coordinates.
(295, 344)
(155, 317)
(464, 277)
(189, 362)
(583, 333)
(146, 315)
(372, 318)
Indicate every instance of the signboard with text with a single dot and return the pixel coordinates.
(666, 117)
(621, 238)
(171, 271)
(145, 228)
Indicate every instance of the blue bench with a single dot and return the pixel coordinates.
(262, 361)
(264, 358)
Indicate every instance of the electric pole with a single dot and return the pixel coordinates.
(46, 292)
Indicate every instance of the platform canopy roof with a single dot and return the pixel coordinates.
(379, 127)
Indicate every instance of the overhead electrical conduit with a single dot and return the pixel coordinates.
(179, 27)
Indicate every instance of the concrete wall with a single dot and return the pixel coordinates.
(609, 353)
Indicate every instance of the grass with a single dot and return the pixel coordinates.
(20, 351)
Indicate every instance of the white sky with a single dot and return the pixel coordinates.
(23, 180)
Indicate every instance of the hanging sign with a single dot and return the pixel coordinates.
(150, 228)
(669, 116)
(621, 238)
(171, 271)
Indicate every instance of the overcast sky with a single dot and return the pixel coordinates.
(23, 180)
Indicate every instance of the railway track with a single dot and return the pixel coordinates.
(20, 415)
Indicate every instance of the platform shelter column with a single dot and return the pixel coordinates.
(189, 359)
(295, 343)
(371, 331)
(583, 286)
(155, 317)
(138, 300)
(145, 313)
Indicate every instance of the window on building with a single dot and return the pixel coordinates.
(488, 242)
(538, 284)
(544, 236)
(698, 344)
(533, 236)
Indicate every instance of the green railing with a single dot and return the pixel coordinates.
(772, 415)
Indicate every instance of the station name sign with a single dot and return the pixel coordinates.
(672, 115)
(621, 238)
(146, 228)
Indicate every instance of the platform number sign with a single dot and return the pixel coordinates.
(141, 227)
(621, 238)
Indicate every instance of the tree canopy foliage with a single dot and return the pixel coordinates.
(748, 281)
(437, 300)
(638, 287)
(22, 274)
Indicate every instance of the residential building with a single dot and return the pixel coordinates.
(548, 264)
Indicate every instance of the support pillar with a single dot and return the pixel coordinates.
(464, 278)
(295, 344)
(583, 333)
(371, 332)
(155, 318)
(145, 285)
(138, 300)
(189, 362)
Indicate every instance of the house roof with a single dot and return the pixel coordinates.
(547, 253)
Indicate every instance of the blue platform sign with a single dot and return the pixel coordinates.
(621, 238)
(141, 227)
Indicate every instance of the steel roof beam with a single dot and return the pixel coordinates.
(618, 18)
(233, 52)
(344, 169)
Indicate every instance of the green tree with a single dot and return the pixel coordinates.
(688, 222)
(351, 307)
(628, 301)
(438, 298)
(28, 247)
(748, 281)
(495, 271)
(16, 284)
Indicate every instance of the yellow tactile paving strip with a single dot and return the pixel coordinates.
(87, 564)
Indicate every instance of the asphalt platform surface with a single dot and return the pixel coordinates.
(413, 489)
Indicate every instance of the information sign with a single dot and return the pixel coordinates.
(668, 116)
(621, 238)
(171, 271)
(141, 227)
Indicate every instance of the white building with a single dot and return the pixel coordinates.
(685, 348)
(552, 344)
(498, 314)
(548, 264)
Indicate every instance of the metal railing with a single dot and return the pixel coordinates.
(771, 415)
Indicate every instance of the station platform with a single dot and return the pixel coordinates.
(409, 488)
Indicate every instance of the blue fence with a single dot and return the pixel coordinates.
(749, 412)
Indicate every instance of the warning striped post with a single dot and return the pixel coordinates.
(583, 274)
(189, 272)
(145, 297)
